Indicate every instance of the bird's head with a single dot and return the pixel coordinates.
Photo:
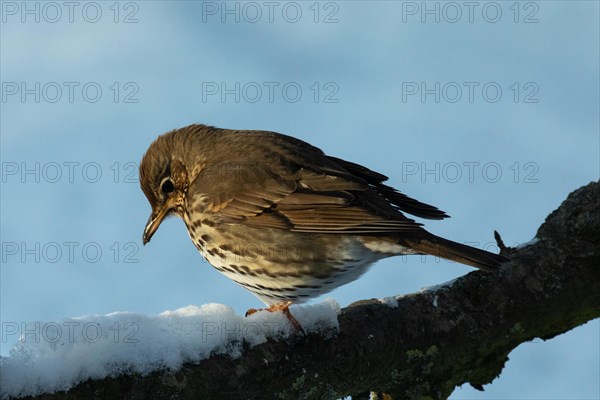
(164, 177)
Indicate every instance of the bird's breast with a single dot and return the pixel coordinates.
(279, 265)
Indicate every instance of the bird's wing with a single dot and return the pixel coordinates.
(322, 199)
(400, 200)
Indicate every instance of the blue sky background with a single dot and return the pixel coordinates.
(498, 160)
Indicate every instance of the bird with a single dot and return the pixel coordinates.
(281, 218)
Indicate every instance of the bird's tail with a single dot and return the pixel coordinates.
(454, 251)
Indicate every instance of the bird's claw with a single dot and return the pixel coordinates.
(283, 307)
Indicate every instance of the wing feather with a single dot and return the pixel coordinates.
(298, 188)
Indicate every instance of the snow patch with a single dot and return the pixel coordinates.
(440, 286)
(531, 242)
(53, 356)
(391, 302)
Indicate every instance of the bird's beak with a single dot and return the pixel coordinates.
(154, 222)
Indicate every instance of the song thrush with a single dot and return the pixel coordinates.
(282, 219)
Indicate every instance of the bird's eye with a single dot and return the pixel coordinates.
(167, 186)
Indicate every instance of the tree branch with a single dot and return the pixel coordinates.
(431, 343)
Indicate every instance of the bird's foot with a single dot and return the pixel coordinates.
(283, 307)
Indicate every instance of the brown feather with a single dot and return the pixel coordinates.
(427, 243)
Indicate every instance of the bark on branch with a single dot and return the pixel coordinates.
(431, 343)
